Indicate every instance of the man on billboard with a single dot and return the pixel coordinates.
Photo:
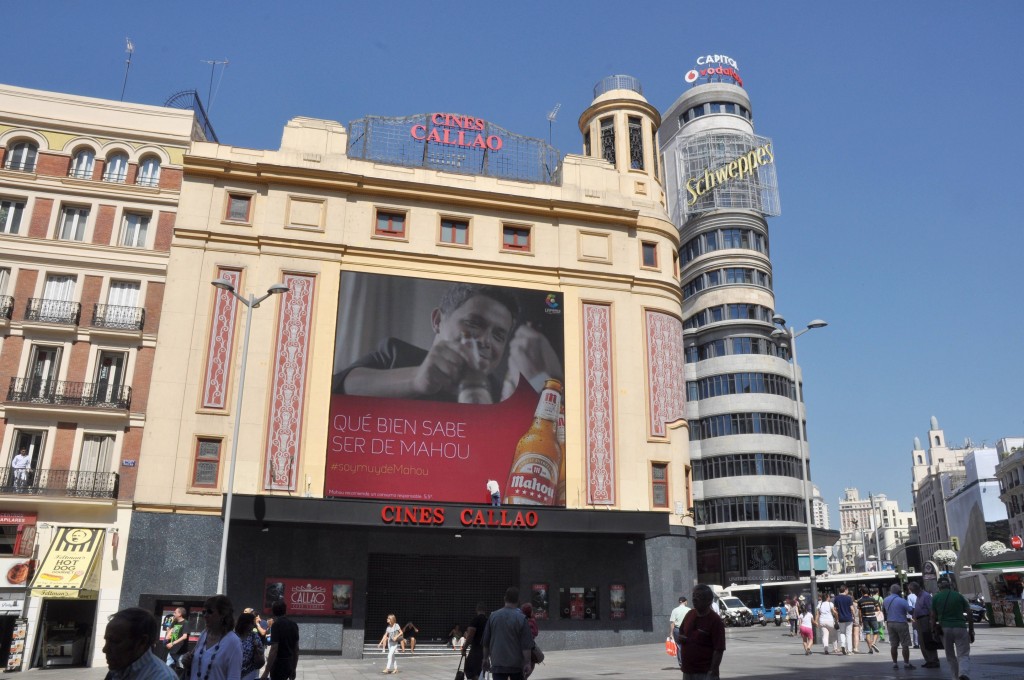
(475, 327)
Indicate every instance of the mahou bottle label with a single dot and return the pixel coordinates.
(534, 475)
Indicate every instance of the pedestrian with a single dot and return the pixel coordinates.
(878, 613)
(507, 642)
(869, 619)
(826, 619)
(473, 650)
(455, 638)
(793, 615)
(127, 643)
(392, 636)
(527, 610)
(283, 657)
(22, 466)
(495, 491)
(897, 617)
(218, 654)
(807, 630)
(261, 627)
(253, 649)
(409, 631)
(702, 636)
(951, 618)
(922, 612)
(675, 620)
(844, 615)
(176, 641)
(912, 599)
(855, 629)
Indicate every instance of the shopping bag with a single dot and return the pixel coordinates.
(670, 646)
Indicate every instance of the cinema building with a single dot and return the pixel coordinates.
(741, 401)
(89, 190)
(362, 462)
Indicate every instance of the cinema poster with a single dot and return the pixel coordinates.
(309, 597)
(434, 384)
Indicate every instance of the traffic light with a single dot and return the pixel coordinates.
(955, 540)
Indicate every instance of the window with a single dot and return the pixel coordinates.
(207, 465)
(116, 169)
(636, 143)
(133, 230)
(649, 254)
(515, 238)
(82, 164)
(390, 223)
(149, 172)
(659, 485)
(455, 231)
(72, 223)
(608, 140)
(239, 206)
(10, 215)
(96, 455)
(21, 156)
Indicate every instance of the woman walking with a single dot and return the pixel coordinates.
(252, 646)
(392, 636)
(826, 617)
(806, 629)
(793, 614)
(218, 654)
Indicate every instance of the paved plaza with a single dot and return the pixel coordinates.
(767, 653)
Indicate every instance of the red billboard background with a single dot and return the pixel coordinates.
(309, 597)
(423, 449)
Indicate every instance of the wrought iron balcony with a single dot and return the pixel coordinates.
(122, 318)
(6, 306)
(59, 483)
(53, 311)
(64, 393)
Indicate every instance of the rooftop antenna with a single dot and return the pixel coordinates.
(213, 67)
(130, 49)
(551, 119)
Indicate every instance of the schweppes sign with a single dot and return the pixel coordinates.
(737, 168)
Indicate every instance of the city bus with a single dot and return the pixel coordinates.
(765, 597)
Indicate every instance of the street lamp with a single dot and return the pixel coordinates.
(792, 334)
(252, 302)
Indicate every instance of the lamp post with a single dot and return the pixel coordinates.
(252, 302)
(792, 334)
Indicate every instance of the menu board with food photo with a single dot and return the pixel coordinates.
(17, 572)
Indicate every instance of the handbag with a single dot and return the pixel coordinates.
(259, 657)
(537, 654)
(459, 673)
(670, 646)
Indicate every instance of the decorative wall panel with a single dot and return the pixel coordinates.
(665, 381)
(221, 343)
(288, 383)
(598, 404)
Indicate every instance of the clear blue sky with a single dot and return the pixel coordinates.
(896, 130)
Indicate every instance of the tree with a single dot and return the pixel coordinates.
(993, 548)
(946, 558)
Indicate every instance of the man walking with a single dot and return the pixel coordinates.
(702, 637)
(897, 616)
(284, 645)
(507, 641)
(177, 639)
(869, 619)
(922, 612)
(675, 620)
(951, 613)
(844, 607)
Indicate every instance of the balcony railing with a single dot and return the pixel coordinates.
(64, 393)
(124, 318)
(59, 483)
(6, 306)
(53, 311)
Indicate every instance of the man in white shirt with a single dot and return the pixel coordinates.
(22, 465)
(495, 491)
(675, 621)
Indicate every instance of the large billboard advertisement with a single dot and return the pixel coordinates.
(444, 390)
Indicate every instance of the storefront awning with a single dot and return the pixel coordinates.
(69, 569)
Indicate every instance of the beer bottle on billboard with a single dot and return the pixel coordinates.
(560, 437)
(534, 474)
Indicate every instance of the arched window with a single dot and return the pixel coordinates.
(149, 172)
(116, 169)
(82, 164)
(21, 156)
